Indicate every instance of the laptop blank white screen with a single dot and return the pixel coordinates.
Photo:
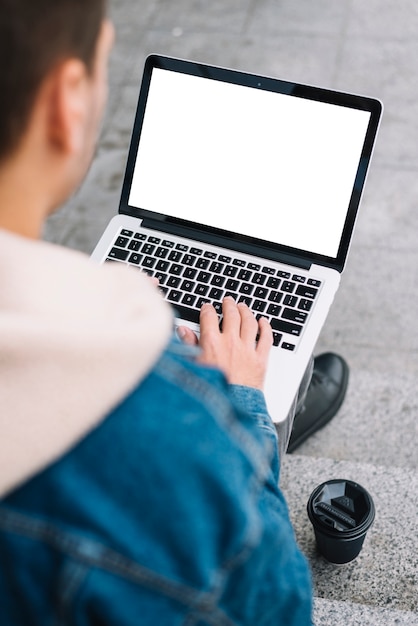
(266, 165)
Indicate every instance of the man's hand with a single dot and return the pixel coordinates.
(234, 348)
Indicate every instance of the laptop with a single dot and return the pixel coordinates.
(244, 185)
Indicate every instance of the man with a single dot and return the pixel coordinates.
(138, 474)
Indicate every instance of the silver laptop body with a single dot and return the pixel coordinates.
(249, 186)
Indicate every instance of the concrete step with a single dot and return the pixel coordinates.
(334, 613)
(377, 423)
(385, 574)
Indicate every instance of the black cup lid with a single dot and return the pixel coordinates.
(341, 507)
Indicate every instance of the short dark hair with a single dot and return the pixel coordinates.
(35, 35)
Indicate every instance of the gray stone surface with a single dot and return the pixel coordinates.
(367, 47)
(333, 613)
(377, 423)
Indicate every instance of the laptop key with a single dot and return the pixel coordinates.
(288, 286)
(201, 289)
(298, 279)
(174, 296)
(117, 253)
(135, 245)
(230, 271)
(314, 283)
(149, 262)
(274, 310)
(202, 264)
(173, 281)
(288, 346)
(188, 285)
(189, 259)
(189, 272)
(162, 266)
(176, 269)
(273, 282)
(148, 248)
(216, 267)
(175, 256)
(259, 306)
(232, 284)
(218, 281)
(305, 305)
(189, 299)
(199, 305)
(261, 292)
(294, 315)
(259, 279)
(290, 301)
(246, 289)
(135, 258)
(244, 275)
(306, 291)
(161, 277)
(276, 296)
(277, 337)
(268, 270)
(216, 294)
(186, 313)
(286, 327)
(121, 242)
(203, 277)
(161, 253)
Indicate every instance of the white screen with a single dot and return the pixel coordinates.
(262, 164)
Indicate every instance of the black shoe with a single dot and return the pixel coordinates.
(325, 395)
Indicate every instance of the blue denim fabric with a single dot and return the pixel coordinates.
(168, 513)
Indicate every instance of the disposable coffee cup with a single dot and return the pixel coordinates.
(341, 512)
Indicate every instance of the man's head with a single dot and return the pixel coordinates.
(35, 36)
(53, 87)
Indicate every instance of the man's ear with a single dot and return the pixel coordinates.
(67, 104)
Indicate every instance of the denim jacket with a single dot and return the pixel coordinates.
(167, 513)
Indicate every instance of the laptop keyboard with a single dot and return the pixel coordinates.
(191, 275)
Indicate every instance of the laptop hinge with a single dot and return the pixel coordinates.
(227, 242)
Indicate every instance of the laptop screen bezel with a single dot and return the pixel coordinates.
(233, 240)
